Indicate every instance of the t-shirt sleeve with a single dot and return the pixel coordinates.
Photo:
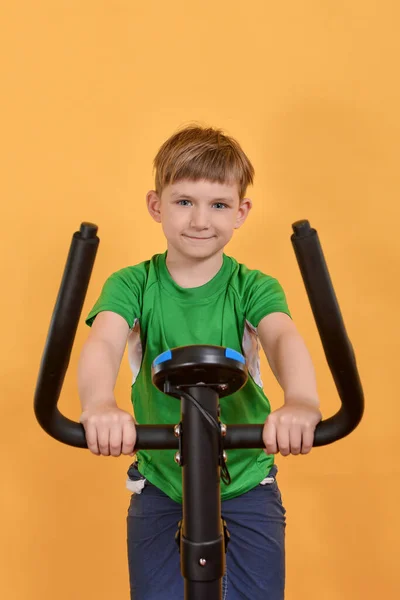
(265, 296)
(121, 294)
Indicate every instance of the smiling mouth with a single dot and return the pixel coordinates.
(192, 237)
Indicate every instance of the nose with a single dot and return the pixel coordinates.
(199, 218)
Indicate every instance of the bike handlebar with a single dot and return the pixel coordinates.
(338, 350)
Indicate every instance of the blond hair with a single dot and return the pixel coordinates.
(196, 153)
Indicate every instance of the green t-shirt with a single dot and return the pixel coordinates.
(162, 315)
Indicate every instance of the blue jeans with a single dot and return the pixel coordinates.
(255, 558)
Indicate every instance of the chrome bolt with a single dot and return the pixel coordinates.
(225, 456)
(223, 429)
(177, 458)
(177, 430)
(223, 386)
(202, 562)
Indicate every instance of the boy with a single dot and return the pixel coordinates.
(195, 294)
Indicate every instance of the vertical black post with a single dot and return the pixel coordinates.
(202, 537)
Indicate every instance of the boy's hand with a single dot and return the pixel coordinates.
(109, 430)
(290, 429)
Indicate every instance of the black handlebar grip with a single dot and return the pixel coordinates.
(337, 347)
(61, 337)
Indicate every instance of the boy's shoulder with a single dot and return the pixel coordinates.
(139, 271)
(247, 275)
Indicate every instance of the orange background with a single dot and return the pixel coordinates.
(90, 89)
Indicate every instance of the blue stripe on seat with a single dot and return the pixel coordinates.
(229, 353)
(167, 355)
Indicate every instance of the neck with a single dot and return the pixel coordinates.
(190, 272)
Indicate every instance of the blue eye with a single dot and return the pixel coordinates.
(186, 202)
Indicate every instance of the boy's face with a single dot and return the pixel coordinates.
(198, 217)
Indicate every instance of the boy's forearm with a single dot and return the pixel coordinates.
(292, 366)
(97, 373)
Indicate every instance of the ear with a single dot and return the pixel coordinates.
(245, 207)
(154, 205)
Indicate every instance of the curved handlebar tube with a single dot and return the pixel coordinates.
(61, 337)
(338, 350)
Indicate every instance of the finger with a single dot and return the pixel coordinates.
(103, 437)
(282, 436)
(308, 439)
(91, 438)
(295, 439)
(115, 439)
(128, 437)
(269, 437)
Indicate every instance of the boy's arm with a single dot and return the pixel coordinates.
(109, 430)
(290, 429)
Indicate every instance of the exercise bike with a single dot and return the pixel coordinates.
(199, 376)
